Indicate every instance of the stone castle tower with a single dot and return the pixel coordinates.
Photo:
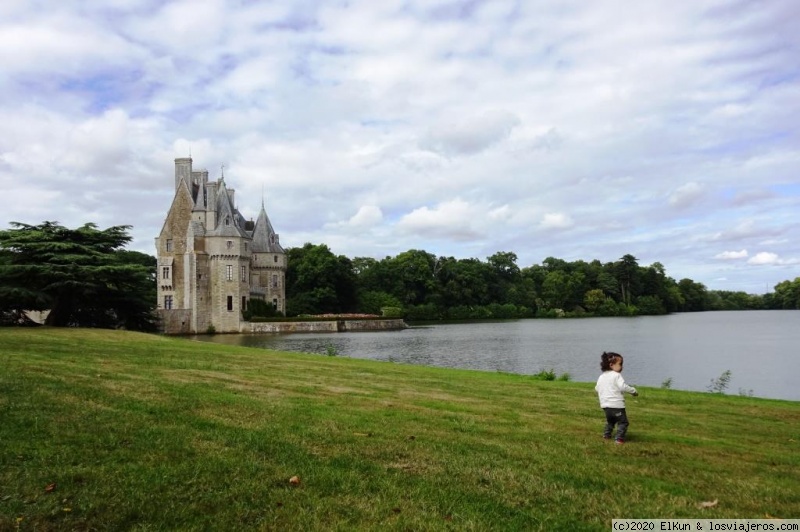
(211, 262)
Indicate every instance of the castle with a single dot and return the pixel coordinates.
(211, 262)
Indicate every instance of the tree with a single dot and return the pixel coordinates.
(593, 299)
(81, 276)
(627, 273)
(506, 274)
(787, 294)
(317, 281)
(694, 295)
(412, 273)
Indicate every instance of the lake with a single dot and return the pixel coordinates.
(760, 348)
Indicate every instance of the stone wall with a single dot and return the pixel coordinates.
(322, 326)
(176, 321)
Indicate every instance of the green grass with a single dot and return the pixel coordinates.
(110, 430)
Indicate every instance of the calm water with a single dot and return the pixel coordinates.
(760, 348)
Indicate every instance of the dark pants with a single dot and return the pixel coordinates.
(616, 416)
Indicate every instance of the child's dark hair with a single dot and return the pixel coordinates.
(607, 359)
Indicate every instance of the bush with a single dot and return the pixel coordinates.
(372, 302)
(426, 312)
(258, 308)
(391, 312)
(720, 384)
(650, 306)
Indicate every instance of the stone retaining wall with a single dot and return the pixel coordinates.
(322, 326)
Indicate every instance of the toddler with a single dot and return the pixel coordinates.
(610, 388)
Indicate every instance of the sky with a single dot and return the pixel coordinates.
(569, 129)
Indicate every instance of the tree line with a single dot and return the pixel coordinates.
(86, 278)
(429, 287)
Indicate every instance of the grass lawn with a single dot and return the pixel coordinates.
(112, 430)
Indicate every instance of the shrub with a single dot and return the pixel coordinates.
(720, 384)
(546, 375)
(331, 350)
(391, 312)
(258, 308)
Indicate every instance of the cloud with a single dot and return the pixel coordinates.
(451, 219)
(556, 220)
(470, 135)
(731, 255)
(368, 216)
(764, 257)
(686, 195)
(769, 258)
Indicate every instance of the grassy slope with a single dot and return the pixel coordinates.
(117, 430)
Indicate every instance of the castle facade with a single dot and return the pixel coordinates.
(211, 262)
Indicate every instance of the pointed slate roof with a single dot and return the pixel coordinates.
(264, 238)
(229, 219)
(200, 200)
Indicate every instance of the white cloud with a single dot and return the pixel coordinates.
(686, 195)
(730, 255)
(556, 220)
(765, 257)
(368, 216)
(470, 135)
(451, 219)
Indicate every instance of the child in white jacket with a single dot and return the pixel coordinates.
(610, 388)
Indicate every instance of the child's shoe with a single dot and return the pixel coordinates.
(620, 442)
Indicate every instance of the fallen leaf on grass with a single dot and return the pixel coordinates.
(294, 481)
(50, 487)
(707, 504)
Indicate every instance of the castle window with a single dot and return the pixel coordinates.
(229, 244)
(274, 281)
(165, 272)
(276, 258)
(169, 245)
(230, 303)
(244, 273)
(244, 303)
(168, 302)
(227, 220)
(229, 272)
(275, 303)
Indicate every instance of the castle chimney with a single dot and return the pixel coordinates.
(183, 171)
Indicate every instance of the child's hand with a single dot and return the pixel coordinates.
(635, 394)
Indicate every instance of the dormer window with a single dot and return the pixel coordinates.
(227, 220)
(229, 244)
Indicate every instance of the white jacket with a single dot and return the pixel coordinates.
(610, 387)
